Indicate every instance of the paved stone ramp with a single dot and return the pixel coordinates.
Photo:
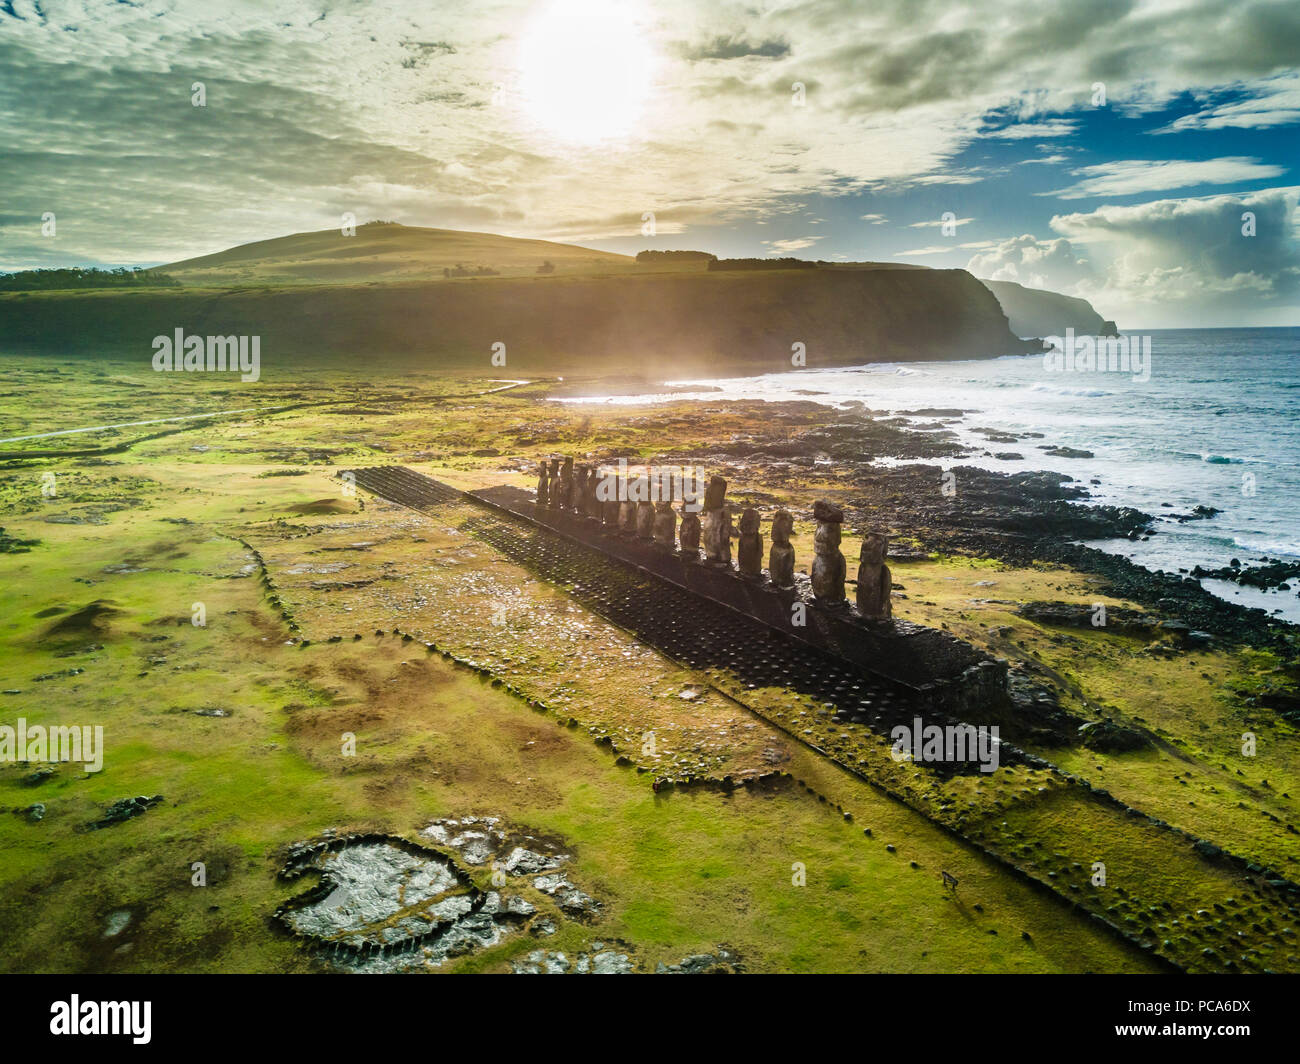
(686, 627)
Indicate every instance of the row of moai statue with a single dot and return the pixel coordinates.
(568, 489)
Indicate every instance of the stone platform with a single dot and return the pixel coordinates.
(944, 672)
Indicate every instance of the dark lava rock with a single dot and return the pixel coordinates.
(1109, 737)
(38, 777)
(1269, 575)
(699, 964)
(1038, 716)
(124, 809)
(1080, 615)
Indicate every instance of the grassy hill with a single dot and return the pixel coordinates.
(648, 323)
(441, 299)
(385, 251)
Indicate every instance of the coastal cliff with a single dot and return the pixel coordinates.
(657, 322)
(1037, 312)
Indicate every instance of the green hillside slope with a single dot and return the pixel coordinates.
(657, 323)
(385, 252)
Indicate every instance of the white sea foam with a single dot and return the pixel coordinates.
(1222, 408)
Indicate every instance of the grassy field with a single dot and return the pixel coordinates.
(536, 711)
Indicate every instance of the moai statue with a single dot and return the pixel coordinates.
(780, 561)
(665, 527)
(566, 484)
(627, 516)
(543, 484)
(553, 501)
(591, 505)
(874, 581)
(749, 551)
(609, 510)
(578, 489)
(645, 520)
(689, 536)
(717, 523)
(828, 566)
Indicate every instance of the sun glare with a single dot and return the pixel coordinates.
(585, 70)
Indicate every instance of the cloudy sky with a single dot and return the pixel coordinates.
(1108, 148)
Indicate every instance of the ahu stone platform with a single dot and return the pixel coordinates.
(928, 667)
(640, 528)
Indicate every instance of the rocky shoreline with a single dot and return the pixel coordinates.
(878, 463)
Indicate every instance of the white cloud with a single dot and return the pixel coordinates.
(1035, 263)
(1181, 251)
(1130, 177)
(1169, 262)
(939, 223)
(1267, 103)
(413, 111)
(781, 247)
(1056, 127)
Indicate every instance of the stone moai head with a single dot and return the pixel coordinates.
(690, 532)
(827, 512)
(875, 545)
(716, 494)
(750, 557)
(568, 467)
(627, 515)
(555, 468)
(782, 526)
(829, 518)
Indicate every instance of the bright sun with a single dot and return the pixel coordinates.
(585, 69)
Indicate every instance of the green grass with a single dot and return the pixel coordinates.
(684, 871)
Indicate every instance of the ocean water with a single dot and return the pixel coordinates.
(1216, 424)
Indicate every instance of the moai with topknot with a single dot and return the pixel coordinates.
(780, 560)
(828, 569)
(749, 549)
(874, 581)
